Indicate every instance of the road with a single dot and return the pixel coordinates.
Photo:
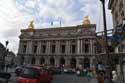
(72, 79)
(64, 78)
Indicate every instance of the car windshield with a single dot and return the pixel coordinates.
(30, 73)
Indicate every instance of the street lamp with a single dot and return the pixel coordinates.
(6, 51)
(108, 58)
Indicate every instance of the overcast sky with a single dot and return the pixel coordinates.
(16, 14)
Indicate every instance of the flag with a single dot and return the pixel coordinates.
(52, 23)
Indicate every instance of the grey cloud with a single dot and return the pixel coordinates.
(11, 33)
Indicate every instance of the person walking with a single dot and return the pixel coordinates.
(114, 77)
(100, 77)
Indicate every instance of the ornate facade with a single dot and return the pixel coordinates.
(62, 46)
(118, 11)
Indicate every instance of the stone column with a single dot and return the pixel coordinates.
(67, 62)
(89, 43)
(57, 47)
(57, 61)
(20, 47)
(25, 60)
(48, 47)
(47, 59)
(67, 47)
(29, 47)
(82, 47)
(78, 46)
(77, 62)
(91, 62)
(91, 46)
(37, 60)
(39, 47)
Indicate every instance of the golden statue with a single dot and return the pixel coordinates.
(31, 25)
(86, 21)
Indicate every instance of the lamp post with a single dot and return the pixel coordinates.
(6, 51)
(108, 61)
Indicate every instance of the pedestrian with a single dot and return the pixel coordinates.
(94, 72)
(100, 77)
(114, 77)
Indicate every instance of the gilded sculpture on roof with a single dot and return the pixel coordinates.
(31, 25)
(86, 20)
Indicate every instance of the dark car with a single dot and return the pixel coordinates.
(54, 70)
(34, 74)
(4, 77)
(18, 70)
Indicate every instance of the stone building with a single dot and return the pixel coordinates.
(118, 11)
(2, 54)
(69, 46)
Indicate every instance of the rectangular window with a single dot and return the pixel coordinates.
(73, 48)
(24, 48)
(53, 48)
(63, 48)
(35, 49)
(43, 48)
(86, 48)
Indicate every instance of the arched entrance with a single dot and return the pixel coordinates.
(33, 60)
(86, 63)
(73, 63)
(52, 61)
(42, 60)
(62, 61)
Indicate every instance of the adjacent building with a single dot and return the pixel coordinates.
(118, 11)
(2, 54)
(69, 46)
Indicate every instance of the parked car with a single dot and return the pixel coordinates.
(54, 70)
(34, 74)
(18, 70)
(69, 70)
(81, 72)
(4, 77)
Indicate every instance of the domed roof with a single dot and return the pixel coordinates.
(2, 48)
(86, 21)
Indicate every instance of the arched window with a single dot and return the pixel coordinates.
(52, 61)
(33, 60)
(62, 61)
(73, 63)
(86, 63)
(42, 60)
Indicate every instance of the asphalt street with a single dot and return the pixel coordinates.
(64, 78)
